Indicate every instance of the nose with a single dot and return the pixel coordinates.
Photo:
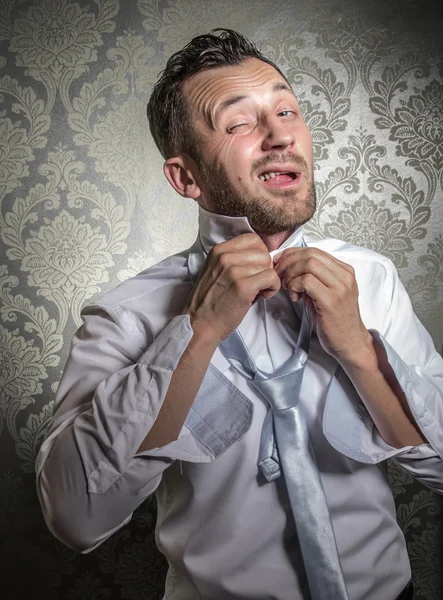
(277, 133)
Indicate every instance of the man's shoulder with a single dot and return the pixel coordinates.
(153, 285)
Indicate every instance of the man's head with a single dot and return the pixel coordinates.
(169, 118)
(228, 124)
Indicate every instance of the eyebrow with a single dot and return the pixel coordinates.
(235, 99)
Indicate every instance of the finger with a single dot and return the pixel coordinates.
(330, 271)
(247, 256)
(330, 278)
(241, 272)
(248, 287)
(276, 258)
(266, 283)
(291, 255)
(285, 253)
(241, 242)
(232, 277)
(310, 305)
(313, 287)
(247, 282)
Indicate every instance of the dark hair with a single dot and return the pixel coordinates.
(168, 114)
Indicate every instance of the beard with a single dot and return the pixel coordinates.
(269, 212)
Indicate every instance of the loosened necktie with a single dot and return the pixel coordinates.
(285, 446)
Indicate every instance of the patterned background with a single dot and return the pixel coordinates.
(84, 205)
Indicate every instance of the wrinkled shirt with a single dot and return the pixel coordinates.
(226, 532)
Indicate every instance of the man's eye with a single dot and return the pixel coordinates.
(231, 128)
(286, 113)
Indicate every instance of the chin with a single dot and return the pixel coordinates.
(267, 213)
(274, 224)
(267, 218)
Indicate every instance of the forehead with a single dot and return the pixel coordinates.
(208, 88)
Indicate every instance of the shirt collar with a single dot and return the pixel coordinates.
(215, 229)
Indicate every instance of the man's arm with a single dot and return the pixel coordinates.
(379, 390)
(184, 385)
(331, 293)
(88, 479)
(235, 273)
(120, 404)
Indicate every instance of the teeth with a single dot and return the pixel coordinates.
(266, 176)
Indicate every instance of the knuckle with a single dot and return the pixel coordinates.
(350, 282)
(222, 260)
(328, 303)
(342, 290)
(265, 260)
(234, 272)
(296, 284)
(238, 272)
(350, 273)
(215, 250)
(312, 263)
(272, 277)
(273, 273)
(307, 279)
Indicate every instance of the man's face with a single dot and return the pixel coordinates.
(255, 150)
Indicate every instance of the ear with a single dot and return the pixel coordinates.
(181, 171)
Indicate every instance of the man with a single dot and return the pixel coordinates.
(151, 398)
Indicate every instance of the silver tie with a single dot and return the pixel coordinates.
(285, 446)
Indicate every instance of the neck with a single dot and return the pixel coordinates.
(275, 240)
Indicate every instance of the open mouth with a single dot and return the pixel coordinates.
(275, 178)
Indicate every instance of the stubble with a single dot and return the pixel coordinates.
(270, 212)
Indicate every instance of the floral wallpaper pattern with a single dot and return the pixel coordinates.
(83, 205)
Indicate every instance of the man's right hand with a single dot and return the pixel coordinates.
(234, 274)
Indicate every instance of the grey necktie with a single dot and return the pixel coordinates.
(285, 443)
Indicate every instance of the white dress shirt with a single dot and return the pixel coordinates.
(226, 532)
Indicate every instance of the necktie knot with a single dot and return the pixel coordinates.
(281, 392)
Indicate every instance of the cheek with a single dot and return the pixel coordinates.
(239, 163)
(233, 156)
(217, 150)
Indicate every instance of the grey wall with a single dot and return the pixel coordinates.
(84, 205)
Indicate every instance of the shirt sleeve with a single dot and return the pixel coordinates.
(419, 370)
(89, 476)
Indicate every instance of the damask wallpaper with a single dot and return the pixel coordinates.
(84, 206)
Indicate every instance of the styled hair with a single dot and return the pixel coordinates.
(168, 114)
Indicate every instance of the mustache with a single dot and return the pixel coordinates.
(283, 158)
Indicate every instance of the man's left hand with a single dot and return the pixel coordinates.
(329, 288)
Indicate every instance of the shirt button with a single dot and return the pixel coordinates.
(276, 314)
